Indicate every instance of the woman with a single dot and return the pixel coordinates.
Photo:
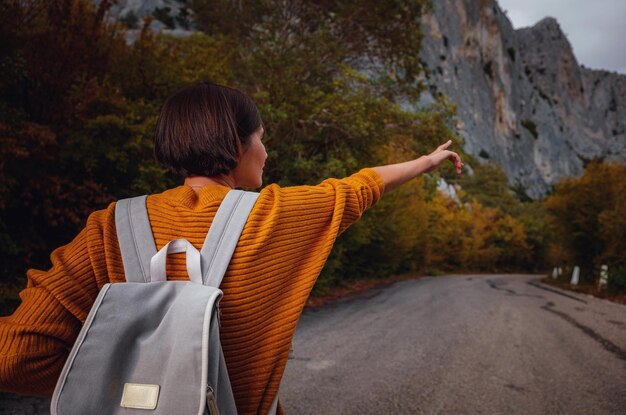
(212, 136)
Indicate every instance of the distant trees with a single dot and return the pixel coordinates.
(55, 60)
(79, 105)
(76, 124)
(588, 219)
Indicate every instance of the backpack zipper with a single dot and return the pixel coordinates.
(211, 403)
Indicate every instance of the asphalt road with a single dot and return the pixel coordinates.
(465, 344)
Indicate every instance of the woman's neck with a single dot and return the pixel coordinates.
(197, 182)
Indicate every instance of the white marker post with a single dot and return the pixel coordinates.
(555, 273)
(604, 276)
(560, 271)
(575, 275)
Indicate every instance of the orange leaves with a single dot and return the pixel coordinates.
(589, 217)
(473, 237)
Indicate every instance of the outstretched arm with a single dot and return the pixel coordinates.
(394, 175)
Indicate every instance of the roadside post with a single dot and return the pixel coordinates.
(604, 276)
(575, 275)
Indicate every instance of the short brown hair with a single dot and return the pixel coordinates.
(202, 129)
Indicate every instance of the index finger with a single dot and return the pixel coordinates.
(444, 145)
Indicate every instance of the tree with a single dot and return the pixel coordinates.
(586, 216)
(490, 188)
(70, 141)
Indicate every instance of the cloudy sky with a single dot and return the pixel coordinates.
(595, 28)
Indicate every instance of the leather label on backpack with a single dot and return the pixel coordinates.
(140, 396)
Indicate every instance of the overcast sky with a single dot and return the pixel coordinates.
(596, 29)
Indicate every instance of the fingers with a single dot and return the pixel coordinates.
(456, 159)
(451, 155)
(444, 145)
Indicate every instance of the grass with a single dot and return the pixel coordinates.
(586, 289)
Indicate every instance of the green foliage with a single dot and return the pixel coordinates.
(511, 52)
(612, 221)
(616, 283)
(520, 192)
(588, 216)
(130, 20)
(78, 107)
(162, 14)
(535, 220)
(530, 126)
(55, 56)
(489, 186)
(487, 68)
(182, 18)
(544, 96)
(381, 37)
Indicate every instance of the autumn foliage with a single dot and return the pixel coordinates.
(588, 219)
(336, 83)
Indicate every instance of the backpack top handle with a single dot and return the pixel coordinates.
(138, 248)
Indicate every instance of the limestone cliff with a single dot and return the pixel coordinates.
(523, 100)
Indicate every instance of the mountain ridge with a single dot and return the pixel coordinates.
(523, 100)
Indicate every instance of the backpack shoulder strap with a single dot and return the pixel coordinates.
(224, 234)
(135, 238)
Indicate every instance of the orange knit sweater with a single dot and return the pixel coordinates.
(282, 250)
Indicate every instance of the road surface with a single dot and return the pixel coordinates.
(463, 344)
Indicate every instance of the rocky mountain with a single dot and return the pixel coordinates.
(170, 16)
(523, 100)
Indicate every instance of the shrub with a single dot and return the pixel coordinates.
(488, 70)
(530, 126)
(588, 216)
(511, 52)
(617, 280)
(130, 20)
(162, 14)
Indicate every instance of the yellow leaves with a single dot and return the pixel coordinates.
(473, 238)
(399, 149)
(420, 229)
(588, 217)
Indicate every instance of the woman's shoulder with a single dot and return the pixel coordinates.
(358, 191)
(365, 178)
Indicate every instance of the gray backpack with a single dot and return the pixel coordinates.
(151, 345)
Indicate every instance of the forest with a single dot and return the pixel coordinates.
(337, 85)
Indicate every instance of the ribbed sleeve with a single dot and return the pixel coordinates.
(280, 254)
